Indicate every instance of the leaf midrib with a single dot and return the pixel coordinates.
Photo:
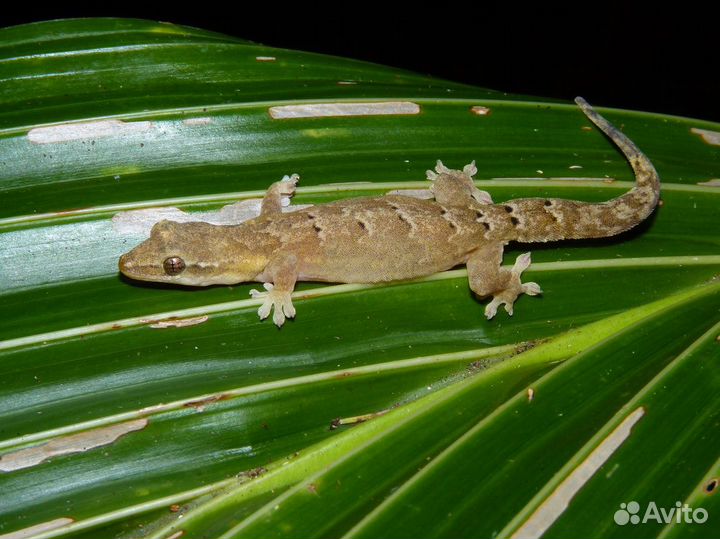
(99, 212)
(224, 307)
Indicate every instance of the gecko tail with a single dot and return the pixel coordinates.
(557, 219)
(646, 193)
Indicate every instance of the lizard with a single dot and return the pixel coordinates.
(389, 238)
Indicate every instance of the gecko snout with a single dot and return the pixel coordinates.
(124, 265)
(121, 263)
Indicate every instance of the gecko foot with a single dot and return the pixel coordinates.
(513, 289)
(278, 301)
(454, 186)
(278, 195)
(286, 188)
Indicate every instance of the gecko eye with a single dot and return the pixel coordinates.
(173, 265)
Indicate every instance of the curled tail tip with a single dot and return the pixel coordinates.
(580, 102)
(585, 106)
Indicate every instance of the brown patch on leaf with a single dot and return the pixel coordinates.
(255, 472)
(479, 110)
(711, 486)
(200, 404)
(37, 529)
(72, 131)
(361, 418)
(176, 322)
(528, 345)
(330, 110)
(709, 137)
(715, 182)
(68, 445)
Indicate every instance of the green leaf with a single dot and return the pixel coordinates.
(381, 411)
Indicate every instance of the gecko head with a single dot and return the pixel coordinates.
(195, 254)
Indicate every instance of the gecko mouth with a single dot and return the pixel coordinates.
(128, 269)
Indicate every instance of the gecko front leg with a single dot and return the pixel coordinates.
(488, 278)
(282, 271)
(278, 195)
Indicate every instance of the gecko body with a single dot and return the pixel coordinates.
(388, 238)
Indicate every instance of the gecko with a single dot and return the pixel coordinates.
(389, 238)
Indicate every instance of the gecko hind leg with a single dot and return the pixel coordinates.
(488, 278)
(278, 195)
(456, 187)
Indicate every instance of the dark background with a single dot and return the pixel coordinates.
(658, 60)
